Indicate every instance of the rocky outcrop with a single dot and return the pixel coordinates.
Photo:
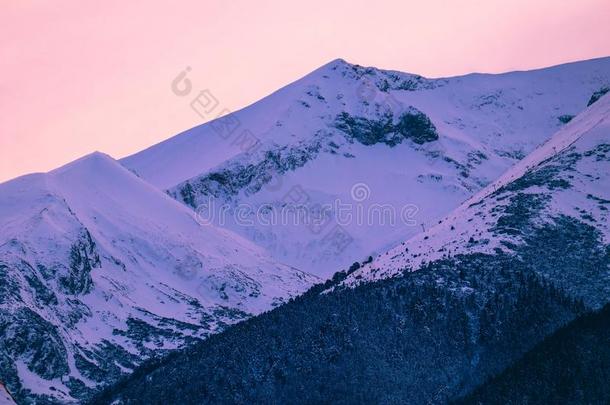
(411, 125)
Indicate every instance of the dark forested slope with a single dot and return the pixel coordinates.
(430, 335)
(571, 366)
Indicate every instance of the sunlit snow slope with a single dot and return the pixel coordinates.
(564, 184)
(410, 141)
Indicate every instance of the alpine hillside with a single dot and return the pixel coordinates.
(100, 270)
(435, 317)
(417, 147)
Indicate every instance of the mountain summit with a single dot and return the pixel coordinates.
(434, 318)
(101, 270)
(412, 145)
(106, 264)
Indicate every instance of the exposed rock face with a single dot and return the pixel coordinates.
(412, 124)
(83, 259)
(598, 94)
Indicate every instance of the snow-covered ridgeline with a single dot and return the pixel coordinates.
(570, 172)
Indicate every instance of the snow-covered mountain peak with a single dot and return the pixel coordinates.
(104, 264)
(110, 270)
(412, 141)
(93, 158)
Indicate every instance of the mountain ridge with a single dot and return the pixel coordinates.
(344, 125)
(430, 335)
(102, 267)
(437, 241)
(100, 270)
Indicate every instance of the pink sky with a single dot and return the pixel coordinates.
(78, 76)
